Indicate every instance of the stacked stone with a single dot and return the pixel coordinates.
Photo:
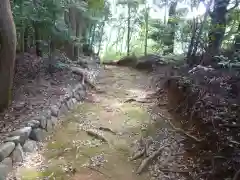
(35, 130)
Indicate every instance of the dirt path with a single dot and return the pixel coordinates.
(71, 153)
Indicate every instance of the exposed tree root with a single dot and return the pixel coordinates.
(181, 130)
(107, 129)
(149, 159)
(96, 135)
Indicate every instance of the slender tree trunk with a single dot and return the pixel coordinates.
(72, 20)
(165, 12)
(101, 37)
(128, 29)
(37, 39)
(170, 37)
(93, 36)
(237, 40)
(7, 53)
(22, 28)
(190, 47)
(37, 33)
(146, 31)
(76, 47)
(217, 31)
(26, 39)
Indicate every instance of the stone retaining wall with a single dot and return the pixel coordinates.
(35, 130)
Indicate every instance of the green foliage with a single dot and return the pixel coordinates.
(53, 20)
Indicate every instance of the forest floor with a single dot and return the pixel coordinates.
(96, 140)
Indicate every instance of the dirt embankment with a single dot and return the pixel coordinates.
(208, 102)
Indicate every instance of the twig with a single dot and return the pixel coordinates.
(234, 142)
(107, 129)
(96, 135)
(230, 125)
(147, 160)
(94, 169)
(174, 170)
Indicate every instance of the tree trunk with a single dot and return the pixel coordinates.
(101, 37)
(21, 28)
(146, 31)
(7, 53)
(51, 56)
(169, 41)
(128, 30)
(72, 20)
(93, 36)
(237, 40)
(37, 39)
(26, 39)
(190, 47)
(217, 31)
(76, 47)
(195, 47)
(165, 12)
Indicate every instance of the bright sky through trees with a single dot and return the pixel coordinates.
(155, 12)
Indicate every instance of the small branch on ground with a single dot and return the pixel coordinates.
(174, 170)
(137, 100)
(107, 129)
(230, 125)
(96, 135)
(94, 169)
(148, 160)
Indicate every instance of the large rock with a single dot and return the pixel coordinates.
(33, 123)
(15, 139)
(54, 121)
(6, 149)
(37, 134)
(49, 126)
(54, 110)
(5, 168)
(78, 87)
(30, 146)
(74, 100)
(63, 109)
(17, 155)
(77, 96)
(127, 61)
(43, 121)
(70, 104)
(82, 94)
(23, 133)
